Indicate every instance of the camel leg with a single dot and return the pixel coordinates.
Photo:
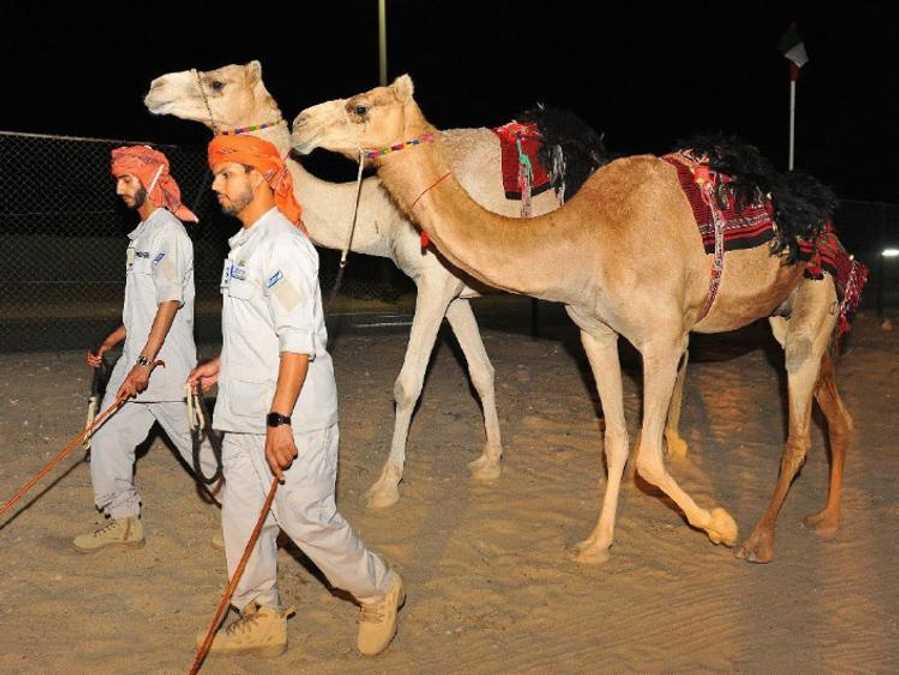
(839, 427)
(602, 351)
(805, 337)
(430, 307)
(659, 375)
(465, 326)
(676, 445)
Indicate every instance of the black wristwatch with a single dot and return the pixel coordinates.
(274, 419)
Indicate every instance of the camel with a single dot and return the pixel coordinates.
(625, 258)
(235, 96)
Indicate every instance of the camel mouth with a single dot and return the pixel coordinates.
(302, 146)
(158, 107)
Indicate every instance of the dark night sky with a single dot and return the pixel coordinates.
(645, 77)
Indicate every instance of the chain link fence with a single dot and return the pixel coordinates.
(62, 237)
(62, 234)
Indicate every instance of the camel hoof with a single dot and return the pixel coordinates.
(485, 469)
(756, 549)
(381, 497)
(722, 529)
(823, 524)
(677, 446)
(588, 553)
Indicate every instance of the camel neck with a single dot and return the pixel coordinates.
(490, 247)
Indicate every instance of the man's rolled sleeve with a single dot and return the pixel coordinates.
(169, 268)
(290, 283)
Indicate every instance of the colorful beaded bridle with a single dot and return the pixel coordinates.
(424, 138)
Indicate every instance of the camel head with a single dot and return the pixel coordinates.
(377, 118)
(235, 94)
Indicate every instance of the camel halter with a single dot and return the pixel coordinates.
(215, 129)
(374, 154)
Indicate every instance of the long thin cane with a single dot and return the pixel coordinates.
(235, 578)
(74, 443)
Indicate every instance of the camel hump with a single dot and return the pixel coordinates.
(802, 205)
(572, 150)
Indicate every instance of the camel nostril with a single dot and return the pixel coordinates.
(156, 84)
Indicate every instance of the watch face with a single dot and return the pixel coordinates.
(276, 419)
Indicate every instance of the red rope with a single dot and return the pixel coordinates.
(431, 186)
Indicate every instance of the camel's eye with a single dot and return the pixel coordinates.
(217, 85)
(360, 110)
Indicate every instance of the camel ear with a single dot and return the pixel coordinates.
(254, 70)
(403, 88)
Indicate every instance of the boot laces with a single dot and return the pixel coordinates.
(244, 624)
(111, 525)
(372, 612)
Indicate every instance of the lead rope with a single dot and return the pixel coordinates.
(349, 240)
(199, 429)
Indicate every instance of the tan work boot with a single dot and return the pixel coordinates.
(261, 631)
(377, 618)
(128, 532)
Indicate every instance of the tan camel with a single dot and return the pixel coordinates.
(625, 257)
(236, 97)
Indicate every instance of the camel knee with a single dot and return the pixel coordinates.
(483, 377)
(797, 352)
(650, 469)
(794, 457)
(617, 447)
(406, 391)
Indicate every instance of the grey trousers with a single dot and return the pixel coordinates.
(304, 508)
(113, 448)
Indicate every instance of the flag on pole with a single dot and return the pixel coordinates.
(793, 49)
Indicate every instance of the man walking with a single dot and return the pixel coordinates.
(157, 324)
(277, 403)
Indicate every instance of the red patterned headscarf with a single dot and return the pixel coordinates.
(152, 169)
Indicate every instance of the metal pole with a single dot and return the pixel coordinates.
(382, 40)
(792, 123)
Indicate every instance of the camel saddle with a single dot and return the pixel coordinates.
(520, 144)
(723, 227)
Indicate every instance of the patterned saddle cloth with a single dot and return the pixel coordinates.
(754, 225)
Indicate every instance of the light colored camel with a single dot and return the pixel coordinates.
(236, 97)
(625, 257)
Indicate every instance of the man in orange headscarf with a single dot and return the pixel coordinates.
(157, 323)
(277, 403)
(261, 155)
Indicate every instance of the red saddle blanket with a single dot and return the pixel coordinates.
(528, 136)
(754, 225)
(750, 227)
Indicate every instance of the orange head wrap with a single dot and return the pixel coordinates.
(152, 169)
(264, 157)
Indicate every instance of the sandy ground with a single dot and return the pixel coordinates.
(490, 587)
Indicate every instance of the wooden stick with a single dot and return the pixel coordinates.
(232, 584)
(74, 443)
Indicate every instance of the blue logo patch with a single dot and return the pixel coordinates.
(274, 279)
(158, 258)
(238, 272)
